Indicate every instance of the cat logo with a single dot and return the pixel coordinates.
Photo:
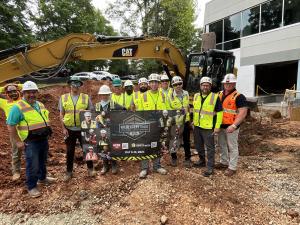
(127, 52)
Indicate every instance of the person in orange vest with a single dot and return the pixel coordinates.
(234, 112)
(10, 97)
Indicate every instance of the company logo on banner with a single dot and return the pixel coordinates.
(134, 127)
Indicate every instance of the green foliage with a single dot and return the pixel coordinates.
(14, 29)
(120, 67)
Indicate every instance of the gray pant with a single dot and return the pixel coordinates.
(229, 148)
(16, 158)
(156, 164)
(205, 137)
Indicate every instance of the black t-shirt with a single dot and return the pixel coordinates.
(240, 102)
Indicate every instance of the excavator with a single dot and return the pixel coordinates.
(51, 57)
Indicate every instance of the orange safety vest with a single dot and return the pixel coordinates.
(229, 107)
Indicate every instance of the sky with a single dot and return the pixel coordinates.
(102, 5)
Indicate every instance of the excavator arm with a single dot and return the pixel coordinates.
(55, 54)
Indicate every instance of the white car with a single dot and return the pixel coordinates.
(86, 76)
(106, 75)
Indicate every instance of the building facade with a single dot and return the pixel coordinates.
(265, 38)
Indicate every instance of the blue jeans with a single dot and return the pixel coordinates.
(156, 164)
(36, 157)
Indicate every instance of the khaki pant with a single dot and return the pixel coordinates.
(16, 158)
(229, 148)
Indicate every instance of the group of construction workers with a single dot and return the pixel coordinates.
(213, 116)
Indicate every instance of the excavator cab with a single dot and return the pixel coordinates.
(212, 63)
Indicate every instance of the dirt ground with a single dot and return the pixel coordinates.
(265, 190)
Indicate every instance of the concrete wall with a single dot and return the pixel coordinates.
(246, 76)
(282, 44)
(218, 9)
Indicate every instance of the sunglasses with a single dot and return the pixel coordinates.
(165, 81)
(178, 84)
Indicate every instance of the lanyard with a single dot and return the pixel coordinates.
(202, 101)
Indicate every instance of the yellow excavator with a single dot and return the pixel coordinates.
(52, 56)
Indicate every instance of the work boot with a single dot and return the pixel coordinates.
(208, 172)
(221, 166)
(114, 167)
(199, 163)
(68, 176)
(174, 162)
(91, 172)
(161, 171)
(187, 163)
(16, 176)
(47, 181)
(34, 193)
(105, 167)
(143, 174)
(229, 172)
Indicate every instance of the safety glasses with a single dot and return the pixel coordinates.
(178, 84)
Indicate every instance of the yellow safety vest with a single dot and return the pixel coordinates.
(71, 117)
(119, 99)
(33, 120)
(175, 103)
(98, 107)
(203, 114)
(6, 105)
(150, 102)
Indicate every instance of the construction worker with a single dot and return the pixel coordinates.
(143, 87)
(152, 100)
(179, 100)
(206, 105)
(165, 83)
(29, 127)
(235, 111)
(70, 105)
(128, 94)
(117, 95)
(11, 96)
(106, 104)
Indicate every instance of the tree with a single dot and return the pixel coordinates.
(14, 28)
(57, 18)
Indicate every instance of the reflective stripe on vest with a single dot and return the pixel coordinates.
(33, 119)
(71, 117)
(203, 114)
(229, 107)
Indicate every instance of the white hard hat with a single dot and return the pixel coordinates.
(90, 147)
(104, 90)
(154, 77)
(143, 80)
(205, 80)
(128, 83)
(164, 77)
(30, 86)
(176, 80)
(103, 131)
(229, 78)
(88, 113)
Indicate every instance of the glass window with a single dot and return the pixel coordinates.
(250, 21)
(271, 14)
(219, 46)
(232, 27)
(232, 44)
(217, 27)
(291, 11)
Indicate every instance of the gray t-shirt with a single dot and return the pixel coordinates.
(74, 99)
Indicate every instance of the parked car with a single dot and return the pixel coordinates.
(102, 75)
(86, 76)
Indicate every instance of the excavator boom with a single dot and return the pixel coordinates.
(88, 47)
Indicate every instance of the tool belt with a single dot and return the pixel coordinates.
(39, 134)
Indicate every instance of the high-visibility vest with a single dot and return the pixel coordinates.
(230, 109)
(127, 100)
(33, 120)
(136, 98)
(169, 91)
(176, 103)
(147, 101)
(6, 105)
(204, 114)
(99, 108)
(71, 117)
(119, 99)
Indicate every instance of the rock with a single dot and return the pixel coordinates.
(83, 194)
(163, 219)
(292, 213)
(276, 115)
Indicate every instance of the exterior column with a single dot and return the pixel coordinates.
(298, 80)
